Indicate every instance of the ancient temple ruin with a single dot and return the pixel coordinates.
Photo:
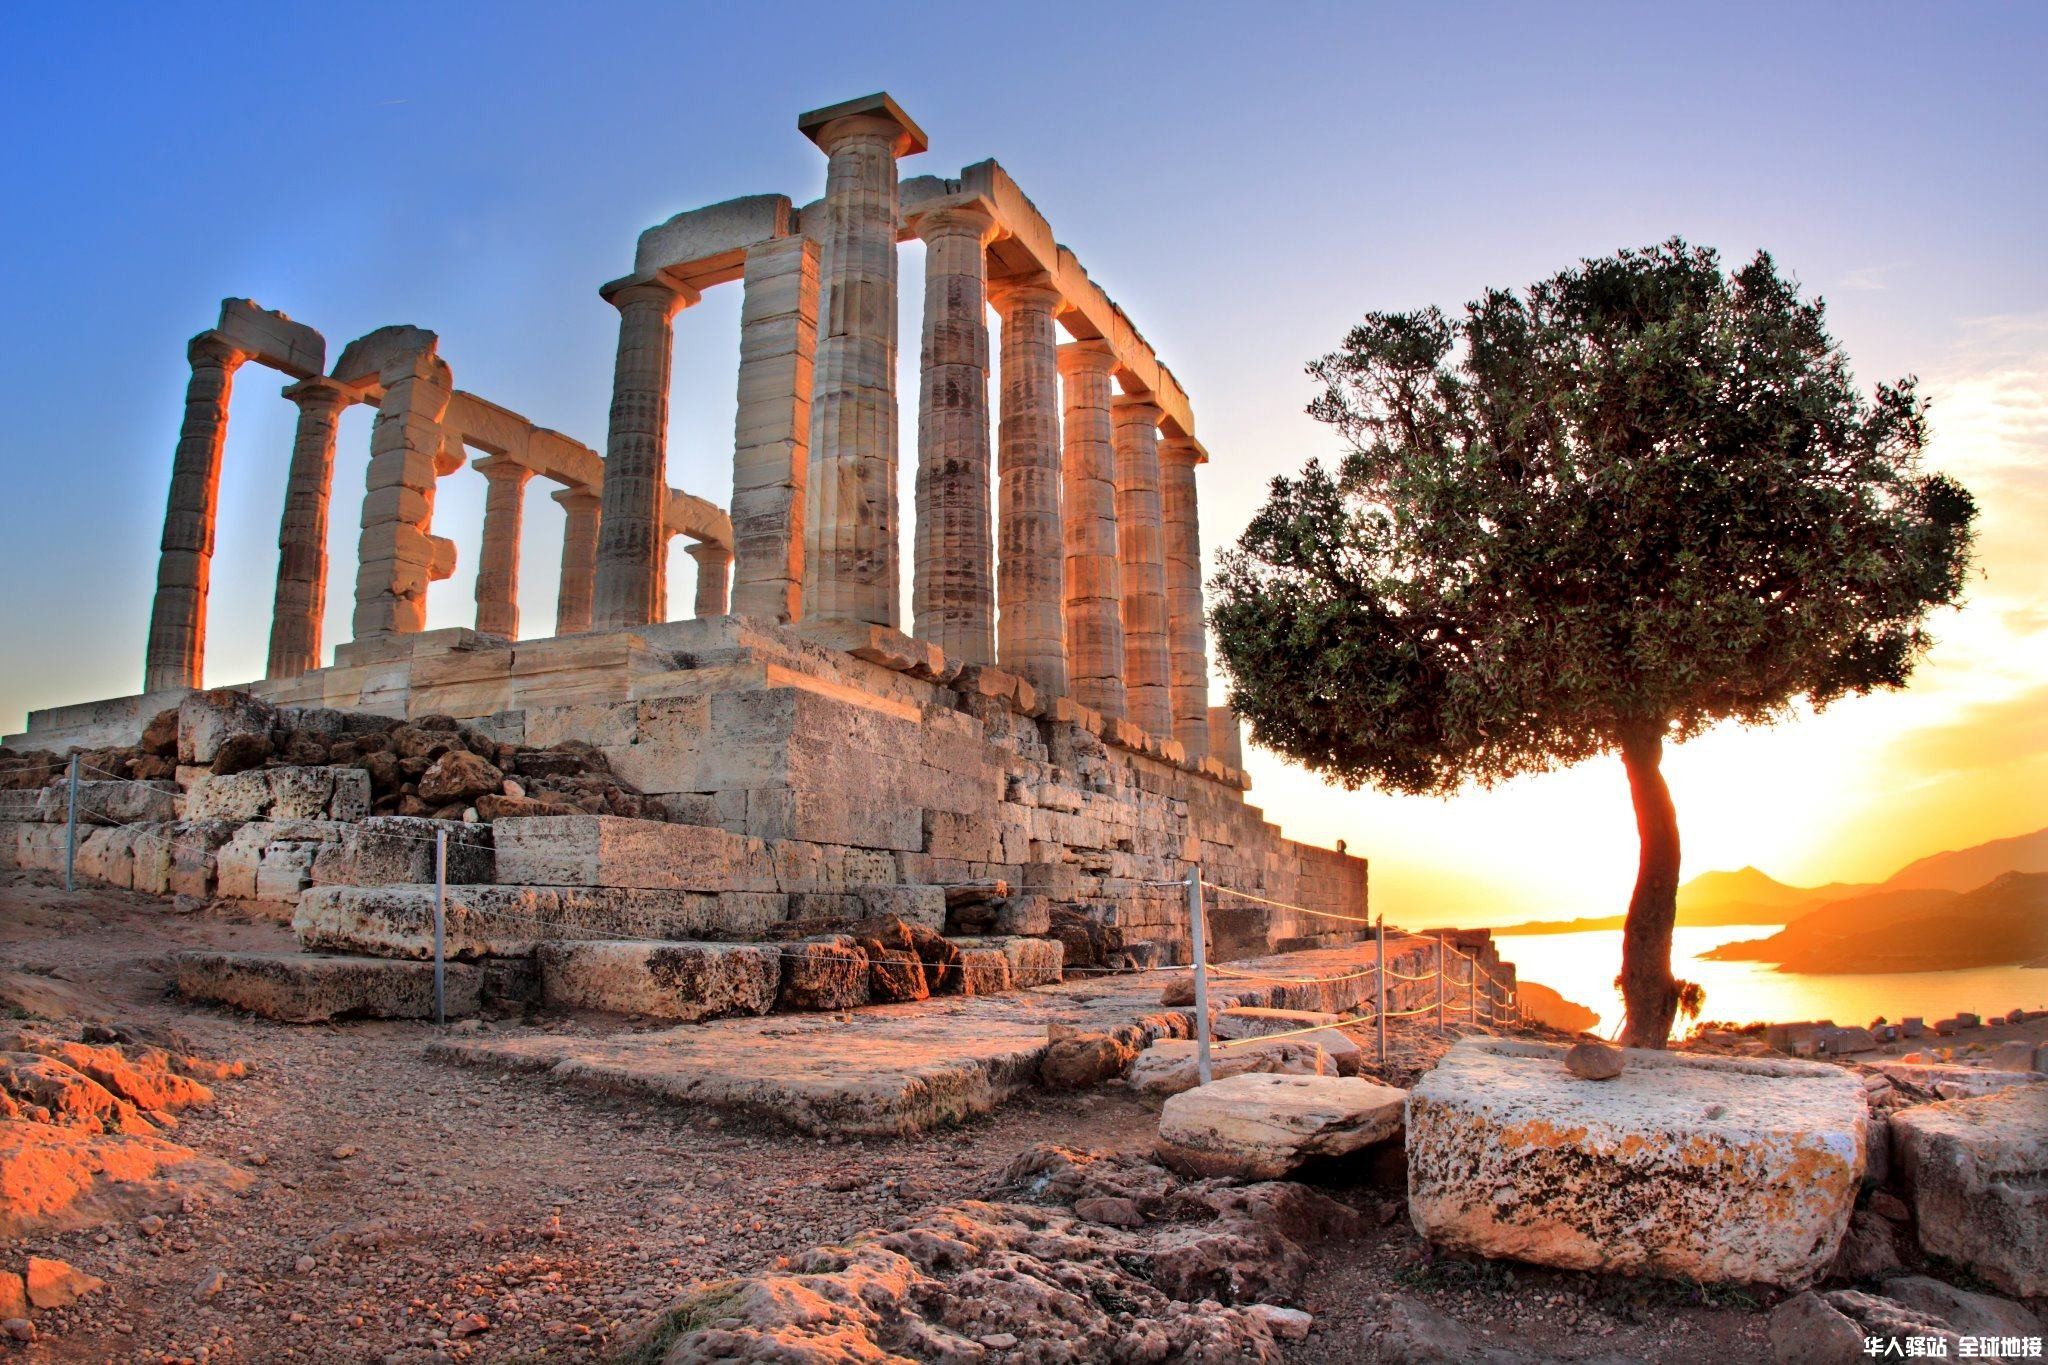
(1042, 723)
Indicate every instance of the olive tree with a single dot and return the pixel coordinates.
(1639, 499)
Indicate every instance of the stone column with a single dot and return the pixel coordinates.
(579, 559)
(1030, 629)
(301, 602)
(772, 435)
(714, 562)
(630, 540)
(850, 527)
(1187, 638)
(397, 554)
(952, 594)
(1094, 588)
(1224, 740)
(497, 567)
(1142, 562)
(176, 653)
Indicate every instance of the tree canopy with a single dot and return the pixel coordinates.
(1645, 493)
(1642, 497)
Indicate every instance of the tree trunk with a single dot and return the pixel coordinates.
(1647, 987)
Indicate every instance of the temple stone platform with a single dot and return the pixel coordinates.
(808, 776)
(903, 1069)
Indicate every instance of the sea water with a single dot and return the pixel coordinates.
(1583, 966)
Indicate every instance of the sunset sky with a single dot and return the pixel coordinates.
(1246, 181)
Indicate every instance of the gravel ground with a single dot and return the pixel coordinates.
(404, 1209)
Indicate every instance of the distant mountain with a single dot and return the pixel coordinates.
(1966, 868)
(1752, 896)
(1912, 929)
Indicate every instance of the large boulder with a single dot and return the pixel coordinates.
(1715, 1169)
(1978, 1173)
(1260, 1126)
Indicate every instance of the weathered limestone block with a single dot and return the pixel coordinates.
(981, 971)
(684, 981)
(510, 921)
(1715, 1169)
(1978, 1173)
(105, 802)
(1032, 961)
(208, 720)
(608, 850)
(281, 794)
(1251, 1021)
(1172, 1065)
(1260, 1126)
(301, 988)
(286, 870)
(823, 974)
(400, 848)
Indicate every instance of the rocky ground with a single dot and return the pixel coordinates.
(400, 1208)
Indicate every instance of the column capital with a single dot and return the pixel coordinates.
(1182, 450)
(577, 497)
(1034, 292)
(876, 116)
(653, 288)
(502, 469)
(962, 220)
(708, 552)
(214, 348)
(321, 391)
(1136, 407)
(1093, 356)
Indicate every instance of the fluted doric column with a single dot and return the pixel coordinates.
(714, 563)
(301, 602)
(579, 559)
(772, 429)
(497, 567)
(1094, 591)
(630, 540)
(1142, 563)
(1030, 629)
(397, 553)
(176, 653)
(1187, 639)
(952, 594)
(850, 529)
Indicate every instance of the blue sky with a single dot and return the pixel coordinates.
(1245, 180)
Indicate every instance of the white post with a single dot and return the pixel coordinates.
(1201, 973)
(440, 899)
(1441, 982)
(71, 826)
(1380, 929)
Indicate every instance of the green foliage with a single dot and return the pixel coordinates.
(1642, 498)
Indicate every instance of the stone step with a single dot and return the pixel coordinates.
(308, 988)
(686, 982)
(512, 921)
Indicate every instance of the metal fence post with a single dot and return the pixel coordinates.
(1441, 982)
(440, 921)
(1472, 993)
(1201, 973)
(71, 827)
(1380, 929)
